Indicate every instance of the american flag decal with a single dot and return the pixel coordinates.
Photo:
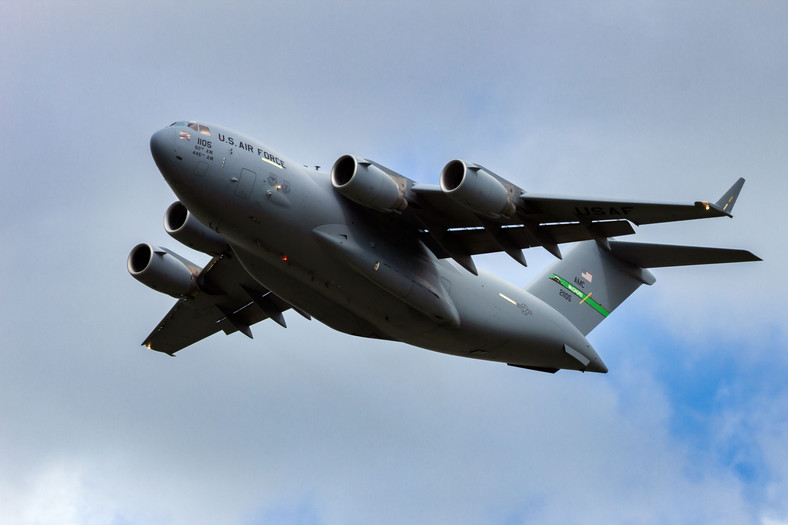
(586, 275)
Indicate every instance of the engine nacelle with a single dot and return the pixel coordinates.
(186, 229)
(162, 270)
(361, 181)
(476, 189)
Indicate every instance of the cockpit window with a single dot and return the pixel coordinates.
(204, 130)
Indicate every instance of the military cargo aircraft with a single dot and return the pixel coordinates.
(374, 254)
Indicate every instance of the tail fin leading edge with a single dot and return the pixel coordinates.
(726, 202)
(590, 282)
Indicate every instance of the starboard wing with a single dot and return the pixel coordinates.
(547, 208)
(452, 230)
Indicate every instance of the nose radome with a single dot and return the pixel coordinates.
(162, 148)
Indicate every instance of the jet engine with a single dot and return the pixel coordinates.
(361, 181)
(478, 190)
(186, 229)
(162, 270)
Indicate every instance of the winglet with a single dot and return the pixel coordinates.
(726, 202)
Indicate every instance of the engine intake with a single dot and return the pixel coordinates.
(186, 229)
(162, 270)
(478, 190)
(361, 181)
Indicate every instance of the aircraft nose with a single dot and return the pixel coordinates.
(162, 148)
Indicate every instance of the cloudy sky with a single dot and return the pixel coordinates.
(657, 100)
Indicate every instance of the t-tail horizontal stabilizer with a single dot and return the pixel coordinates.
(591, 281)
(663, 255)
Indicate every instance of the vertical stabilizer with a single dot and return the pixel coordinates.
(588, 284)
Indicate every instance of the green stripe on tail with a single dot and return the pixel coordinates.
(584, 297)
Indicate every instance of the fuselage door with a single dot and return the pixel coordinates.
(245, 183)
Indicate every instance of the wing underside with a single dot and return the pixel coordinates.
(229, 300)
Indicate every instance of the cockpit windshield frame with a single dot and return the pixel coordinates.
(199, 128)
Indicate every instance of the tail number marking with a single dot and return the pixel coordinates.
(584, 297)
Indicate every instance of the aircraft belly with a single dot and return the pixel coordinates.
(414, 282)
(335, 296)
(497, 321)
(501, 322)
(292, 290)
